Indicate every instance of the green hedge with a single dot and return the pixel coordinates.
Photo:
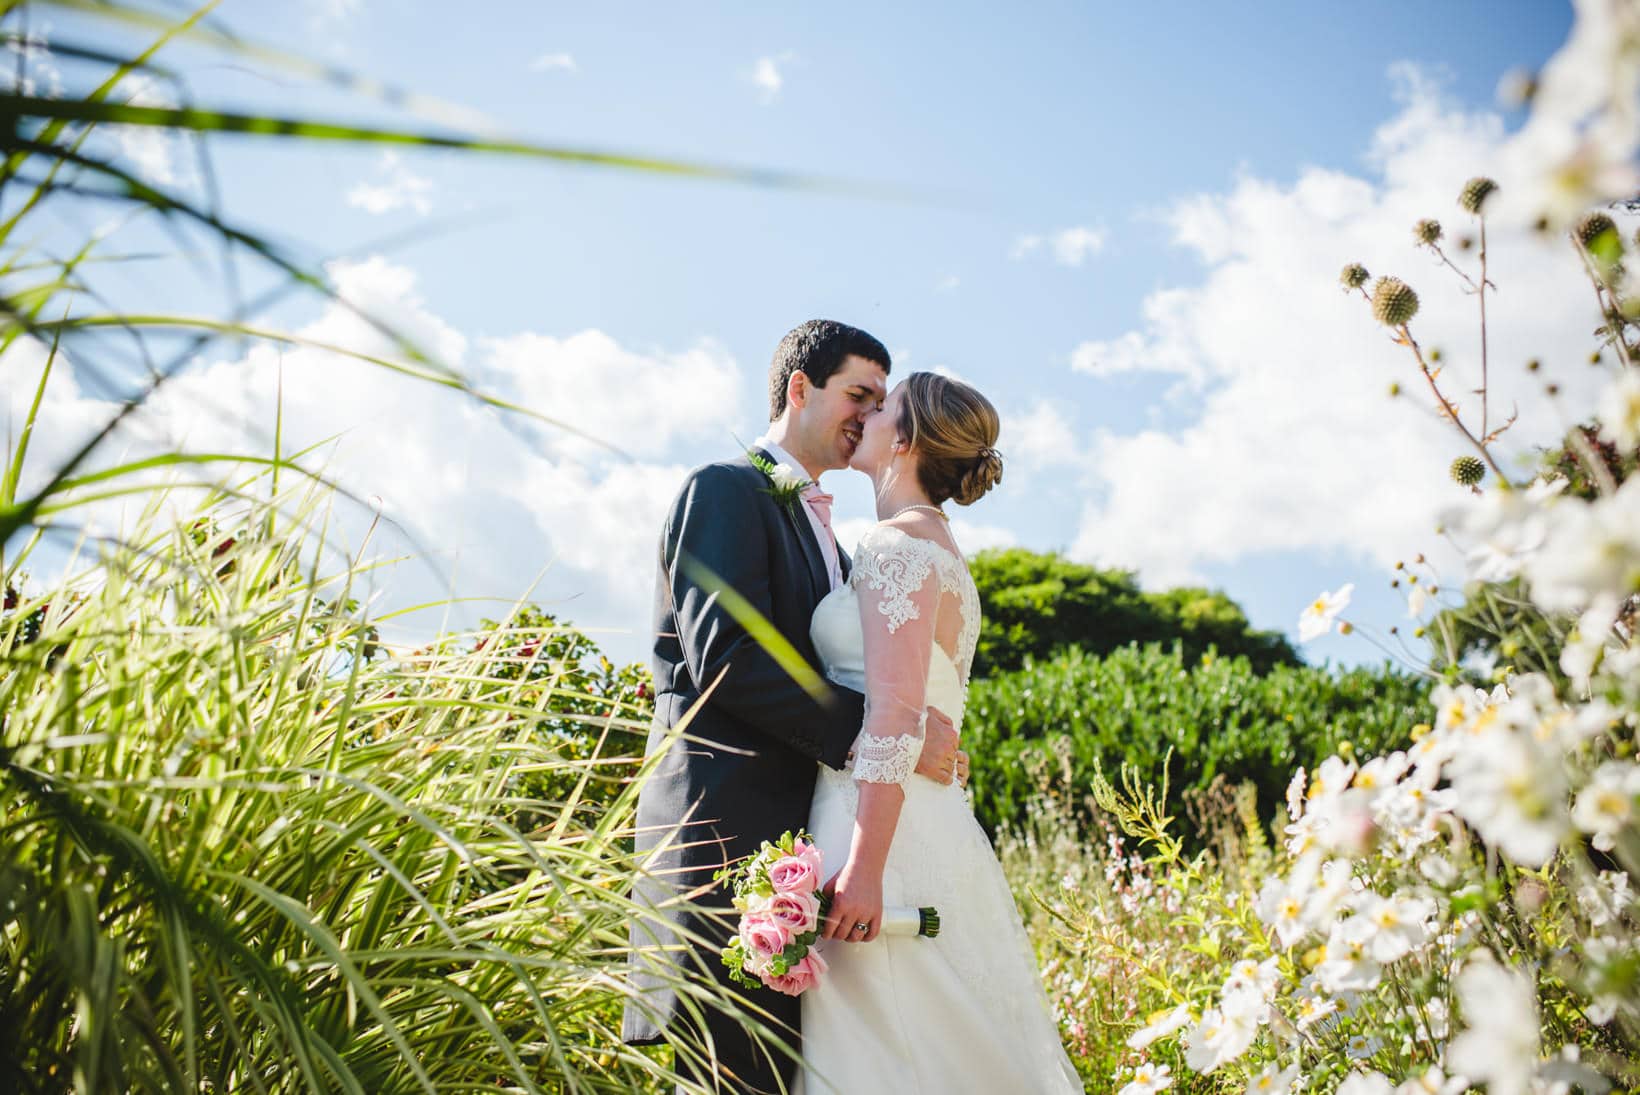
(1036, 604)
(1218, 716)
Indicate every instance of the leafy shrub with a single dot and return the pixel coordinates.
(1036, 604)
(1072, 714)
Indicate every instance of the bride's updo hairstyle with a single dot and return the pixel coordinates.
(953, 430)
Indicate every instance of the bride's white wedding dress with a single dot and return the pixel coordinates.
(964, 1012)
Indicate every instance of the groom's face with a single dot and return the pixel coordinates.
(832, 419)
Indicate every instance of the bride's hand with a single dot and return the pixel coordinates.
(856, 898)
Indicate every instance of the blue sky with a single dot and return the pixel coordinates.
(1110, 218)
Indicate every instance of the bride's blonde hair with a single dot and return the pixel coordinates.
(953, 430)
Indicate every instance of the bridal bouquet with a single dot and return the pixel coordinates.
(777, 893)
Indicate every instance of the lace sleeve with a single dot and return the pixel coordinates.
(898, 595)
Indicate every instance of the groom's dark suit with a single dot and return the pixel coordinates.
(755, 779)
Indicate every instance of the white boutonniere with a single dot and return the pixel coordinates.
(785, 484)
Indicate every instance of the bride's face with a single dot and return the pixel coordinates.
(879, 437)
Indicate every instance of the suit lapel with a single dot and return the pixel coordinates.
(807, 545)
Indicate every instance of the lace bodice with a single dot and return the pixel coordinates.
(903, 631)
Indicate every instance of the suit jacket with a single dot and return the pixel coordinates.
(753, 776)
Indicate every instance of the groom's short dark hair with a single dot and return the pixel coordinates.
(818, 347)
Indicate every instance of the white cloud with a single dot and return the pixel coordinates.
(609, 392)
(554, 62)
(1295, 443)
(972, 537)
(401, 189)
(767, 77)
(1040, 437)
(947, 283)
(494, 501)
(1068, 246)
(154, 153)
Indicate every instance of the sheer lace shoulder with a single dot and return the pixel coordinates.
(896, 565)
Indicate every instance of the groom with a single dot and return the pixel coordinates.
(746, 771)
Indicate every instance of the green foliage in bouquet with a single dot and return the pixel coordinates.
(750, 879)
(1037, 604)
(1072, 714)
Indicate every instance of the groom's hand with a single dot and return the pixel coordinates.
(938, 760)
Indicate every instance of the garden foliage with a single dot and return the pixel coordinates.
(1072, 714)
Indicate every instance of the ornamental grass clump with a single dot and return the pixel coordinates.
(246, 849)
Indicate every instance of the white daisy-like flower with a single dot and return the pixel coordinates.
(1148, 1079)
(1513, 792)
(1619, 410)
(1500, 1041)
(1160, 1025)
(1361, 1047)
(1592, 549)
(1310, 1010)
(1318, 618)
(1434, 1082)
(1392, 927)
(1366, 1083)
(1609, 802)
(1273, 1081)
(1219, 1039)
(1347, 965)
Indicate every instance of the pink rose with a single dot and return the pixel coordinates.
(803, 974)
(807, 852)
(764, 934)
(795, 874)
(799, 912)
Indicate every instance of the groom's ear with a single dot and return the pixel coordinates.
(797, 388)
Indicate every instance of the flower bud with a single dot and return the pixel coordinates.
(1393, 302)
(1468, 470)
(1354, 276)
(1475, 192)
(1427, 232)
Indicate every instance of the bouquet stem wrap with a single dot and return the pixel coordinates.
(899, 920)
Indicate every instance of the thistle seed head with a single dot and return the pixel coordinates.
(1393, 302)
(1354, 276)
(1427, 232)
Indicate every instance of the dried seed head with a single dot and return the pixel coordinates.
(1435, 354)
(1468, 470)
(1354, 276)
(1592, 227)
(1533, 365)
(1475, 192)
(1393, 302)
(1427, 232)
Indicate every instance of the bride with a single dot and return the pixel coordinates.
(964, 1012)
